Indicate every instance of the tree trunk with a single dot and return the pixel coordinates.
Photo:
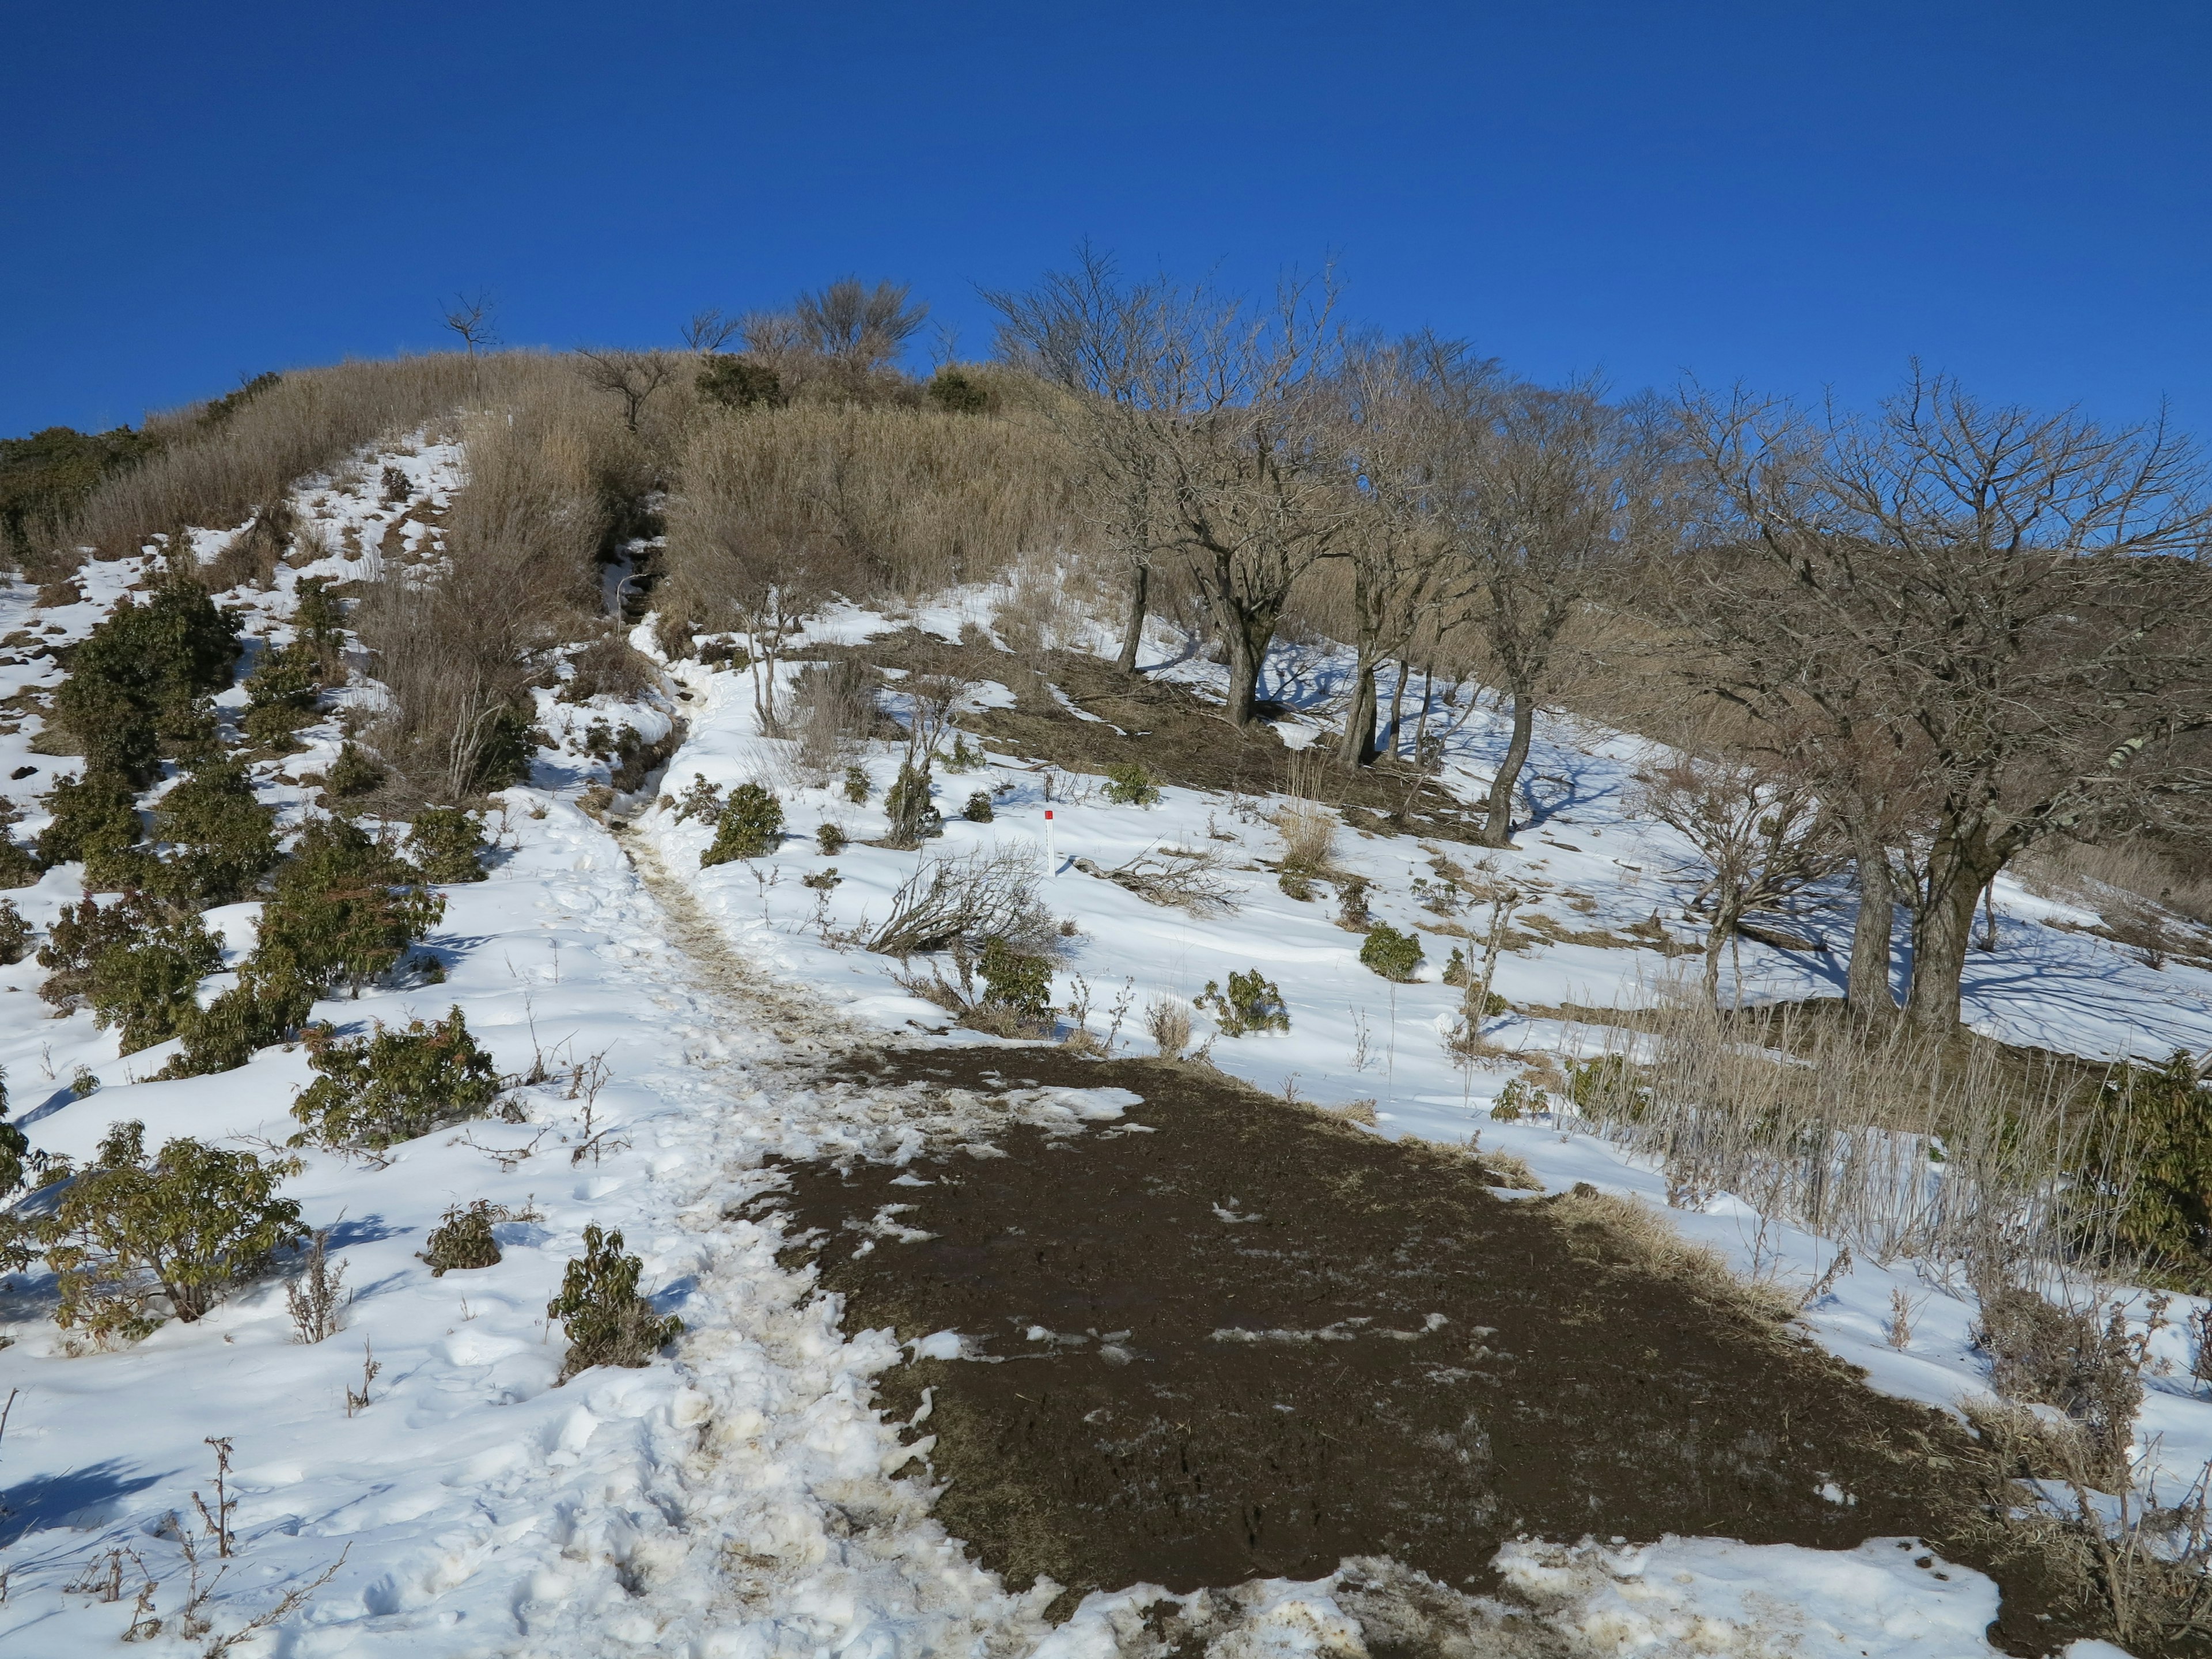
(1943, 930)
(1247, 637)
(1132, 632)
(1497, 820)
(1397, 701)
(1356, 746)
(1866, 988)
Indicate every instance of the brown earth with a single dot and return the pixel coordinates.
(1276, 1342)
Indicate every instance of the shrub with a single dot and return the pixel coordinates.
(912, 818)
(856, 785)
(138, 964)
(224, 840)
(2065, 1357)
(830, 839)
(700, 800)
(268, 1005)
(344, 908)
(353, 773)
(1296, 884)
(2159, 1120)
(463, 1240)
(280, 693)
(1606, 1087)
(1016, 981)
(964, 902)
(192, 1221)
(961, 757)
(736, 382)
(14, 934)
(957, 393)
(751, 823)
(1252, 1004)
(609, 1323)
(1352, 905)
(17, 867)
(1167, 1021)
(447, 843)
(1517, 1099)
(978, 809)
(393, 1085)
(44, 476)
(1129, 784)
(95, 820)
(133, 685)
(1394, 954)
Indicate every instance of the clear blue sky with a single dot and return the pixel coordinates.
(1797, 195)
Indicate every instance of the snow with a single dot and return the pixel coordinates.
(745, 1497)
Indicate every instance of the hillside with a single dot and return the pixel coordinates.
(1360, 1316)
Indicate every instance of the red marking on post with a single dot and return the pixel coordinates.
(1047, 815)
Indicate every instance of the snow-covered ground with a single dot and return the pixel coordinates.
(743, 1497)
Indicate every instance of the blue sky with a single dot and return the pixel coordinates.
(1799, 195)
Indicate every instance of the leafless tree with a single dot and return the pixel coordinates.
(633, 376)
(709, 330)
(475, 318)
(860, 327)
(1102, 342)
(2002, 605)
(1548, 494)
(1758, 836)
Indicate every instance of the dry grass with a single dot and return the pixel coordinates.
(856, 499)
(1167, 1021)
(1616, 1229)
(1308, 836)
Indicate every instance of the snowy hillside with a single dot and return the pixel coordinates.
(665, 1034)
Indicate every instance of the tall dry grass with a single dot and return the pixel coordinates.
(862, 501)
(217, 474)
(1968, 1158)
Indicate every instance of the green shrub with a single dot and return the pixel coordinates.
(1129, 784)
(186, 1224)
(14, 934)
(1351, 904)
(830, 839)
(138, 964)
(978, 809)
(393, 1085)
(353, 773)
(344, 909)
(961, 757)
(1296, 882)
(17, 867)
(1605, 1086)
(700, 800)
(1015, 981)
(95, 820)
(1518, 1099)
(1394, 954)
(914, 818)
(751, 823)
(447, 844)
(280, 693)
(463, 1240)
(44, 476)
(2158, 1119)
(268, 1005)
(609, 1323)
(737, 382)
(224, 841)
(958, 393)
(856, 785)
(134, 686)
(1253, 1004)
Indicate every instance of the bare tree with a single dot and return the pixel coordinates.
(633, 376)
(1547, 495)
(1759, 836)
(2002, 600)
(1398, 401)
(1103, 343)
(856, 326)
(475, 318)
(709, 330)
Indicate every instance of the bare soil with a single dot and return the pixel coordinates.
(1229, 1338)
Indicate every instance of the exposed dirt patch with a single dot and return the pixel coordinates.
(1276, 1342)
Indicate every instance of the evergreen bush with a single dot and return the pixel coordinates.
(268, 1005)
(737, 382)
(1129, 784)
(2158, 1121)
(609, 1323)
(1394, 954)
(353, 773)
(914, 818)
(958, 393)
(17, 867)
(185, 1224)
(751, 823)
(1252, 1004)
(979, 809)
(344, 909)
(1015, 981)
(448, 844)
(463, 1240)
(223, 840)
(281, 694)
(95, 820)
(392, 1085)
(136, 683)
(14, 934)
(857, 785)
(830, 839)
(136, 963)
(701, 800)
